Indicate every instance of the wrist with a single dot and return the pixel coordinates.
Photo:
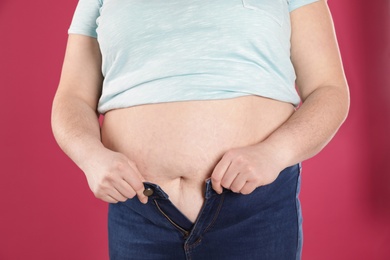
(87, 154)
(279, 153)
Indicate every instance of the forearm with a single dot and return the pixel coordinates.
(75, 127)
(311, 127)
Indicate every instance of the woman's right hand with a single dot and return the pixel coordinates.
(113, 178)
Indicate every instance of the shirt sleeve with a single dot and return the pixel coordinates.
(294, 4)
(84, 18)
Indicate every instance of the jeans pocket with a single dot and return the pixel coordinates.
(272, 8)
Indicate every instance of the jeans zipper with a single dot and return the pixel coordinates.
(186, 233)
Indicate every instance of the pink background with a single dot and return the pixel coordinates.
(48, 212)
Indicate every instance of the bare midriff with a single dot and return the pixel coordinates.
(176, 145)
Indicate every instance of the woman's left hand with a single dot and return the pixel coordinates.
(244, 169)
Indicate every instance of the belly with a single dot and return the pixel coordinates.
(177, 145)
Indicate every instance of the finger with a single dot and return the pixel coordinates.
(218, 173)
(248, 188)
(135, 180)
(116, 195)
(138, 188)
(109, 199)
(230, 175)
(140, 193)
(238, 183)
(125, 189)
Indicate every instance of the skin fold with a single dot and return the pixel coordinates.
(137, 144)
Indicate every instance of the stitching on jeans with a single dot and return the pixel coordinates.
(298, 212)
(211, 223)
(216, 213)
(182, 230)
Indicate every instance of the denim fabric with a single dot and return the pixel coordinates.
(266, 224)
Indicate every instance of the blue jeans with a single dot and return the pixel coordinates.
(266, 224)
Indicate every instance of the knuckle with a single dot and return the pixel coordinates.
(138, 186)
(250, 169)
(100, 191)
(108, 177)
(98, 195)
(240, 159)
(122, 199)
(215, 179)
(235, 190)
(119, 165)
(230, 154)
(225, 184)
(252, 177)
(246, 192)
(105, 181)
(130, 193)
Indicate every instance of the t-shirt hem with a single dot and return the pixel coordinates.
(102, 109)
(298, 4)
(82, 33)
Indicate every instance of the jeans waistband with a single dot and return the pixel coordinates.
(156, 192)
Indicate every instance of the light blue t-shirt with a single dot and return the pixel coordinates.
(157, 51)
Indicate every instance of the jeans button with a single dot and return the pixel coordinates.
(148, 192)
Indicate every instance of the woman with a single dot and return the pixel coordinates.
(200, 120)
